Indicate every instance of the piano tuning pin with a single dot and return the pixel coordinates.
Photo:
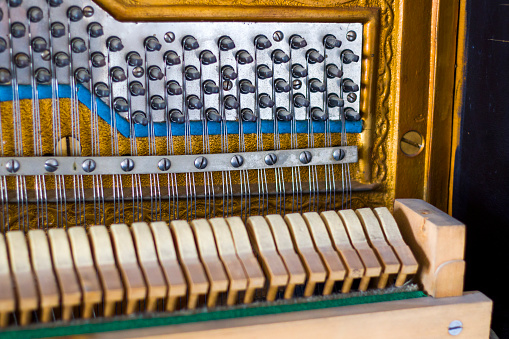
(35, 14)
(192, 73)
(22, 60)
(57, 30)
(62, 59)
(318, 114)
(155, 73)
(331, 42)
(101, 90)
(82, 75)
(314, 57)
(157, 102)
(78, 45)
(264, 72)
(261, 42)
(207, 57)
(136, 89)
(352, 115)
(117, 74)
(283, 114)
(244, 57)
(39, 45)
(171, 58)
(15, 3)
(173, 88)
(3, 45)
(226, 43)
(98, 59)
(1, 14)
(282, 86)
(298, 71)
(280, 57)
(213, 115)
(228, 73)
(230, 102)
(300, 100)
(193, 102)
(190, 43)
(210, 87)
(18, 30)
(152, 44)
(140, 118)
(134, 59)
(42, 75)
(265, 101)
(350, 86)
(246, 87)
(176, 116)
(120, 105)
(55, 3)
(348, 57)
(114, 44)
(5, 76)
(248, 115)
(316, 85)
(296, 42)
(74, 13)
(334, 72)
(335, 101)
(95, 30)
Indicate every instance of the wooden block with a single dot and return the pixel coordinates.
(26, 292)
(254, 273)
(315, 271)
(134, 284)
(408, 263)
(335, 269)
(436, 239)
(147, 257)
(49, 296)
(113, 290)
(265, 247)
(359, 242)
(7, 299)
(341, 242)
(87, 274)
(197, 283)
(228, 255)
(218, 281)
(376, 238)
(284, 245)
(167, 256)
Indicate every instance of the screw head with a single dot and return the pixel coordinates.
(88, 11)
(412, 143)
(200, 162)
(227, 85)
(164, 164)
(297, 84)
(127, 165)
(351, 97)
(278, 36)
(46, 55)
(51, 165)
(138, 72)
(88, 165)
(305, 157)
(270, 159)
(12, 166)
(338, 154)
(169, 37)
(351, 36)
(237, 161)
(455, 327)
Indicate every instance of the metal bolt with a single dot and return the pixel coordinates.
(351, 97)
(51, 165)
(12, 166)
(88, 11)
(338, 154)
(351, 36)
(297, 84)
(88, 165)
(127, 165)
(164, 164)
(412, 143)
(237, 161)
(305, 157)
(270, 159)
(227, 85)
(200, 162)
(169, 37)
(278, 36)
(138, 72)
(455, 327)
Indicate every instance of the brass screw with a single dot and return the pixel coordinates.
(412, 143)
(278, 36)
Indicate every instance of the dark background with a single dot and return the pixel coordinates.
(481, 178)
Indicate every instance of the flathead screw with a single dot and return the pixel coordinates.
(138, 72)
(351, 36)
(305, 157)
(164, 164)
(200, 162)
(127, 165)
(12, 166)
(88, 165)
(338, 154)
(270, 159)
(455, 327)
(51, 165)
(169, 37)
(88, 11)
(237, 161)
(227, 85)
(351, 97)
(278, 36)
